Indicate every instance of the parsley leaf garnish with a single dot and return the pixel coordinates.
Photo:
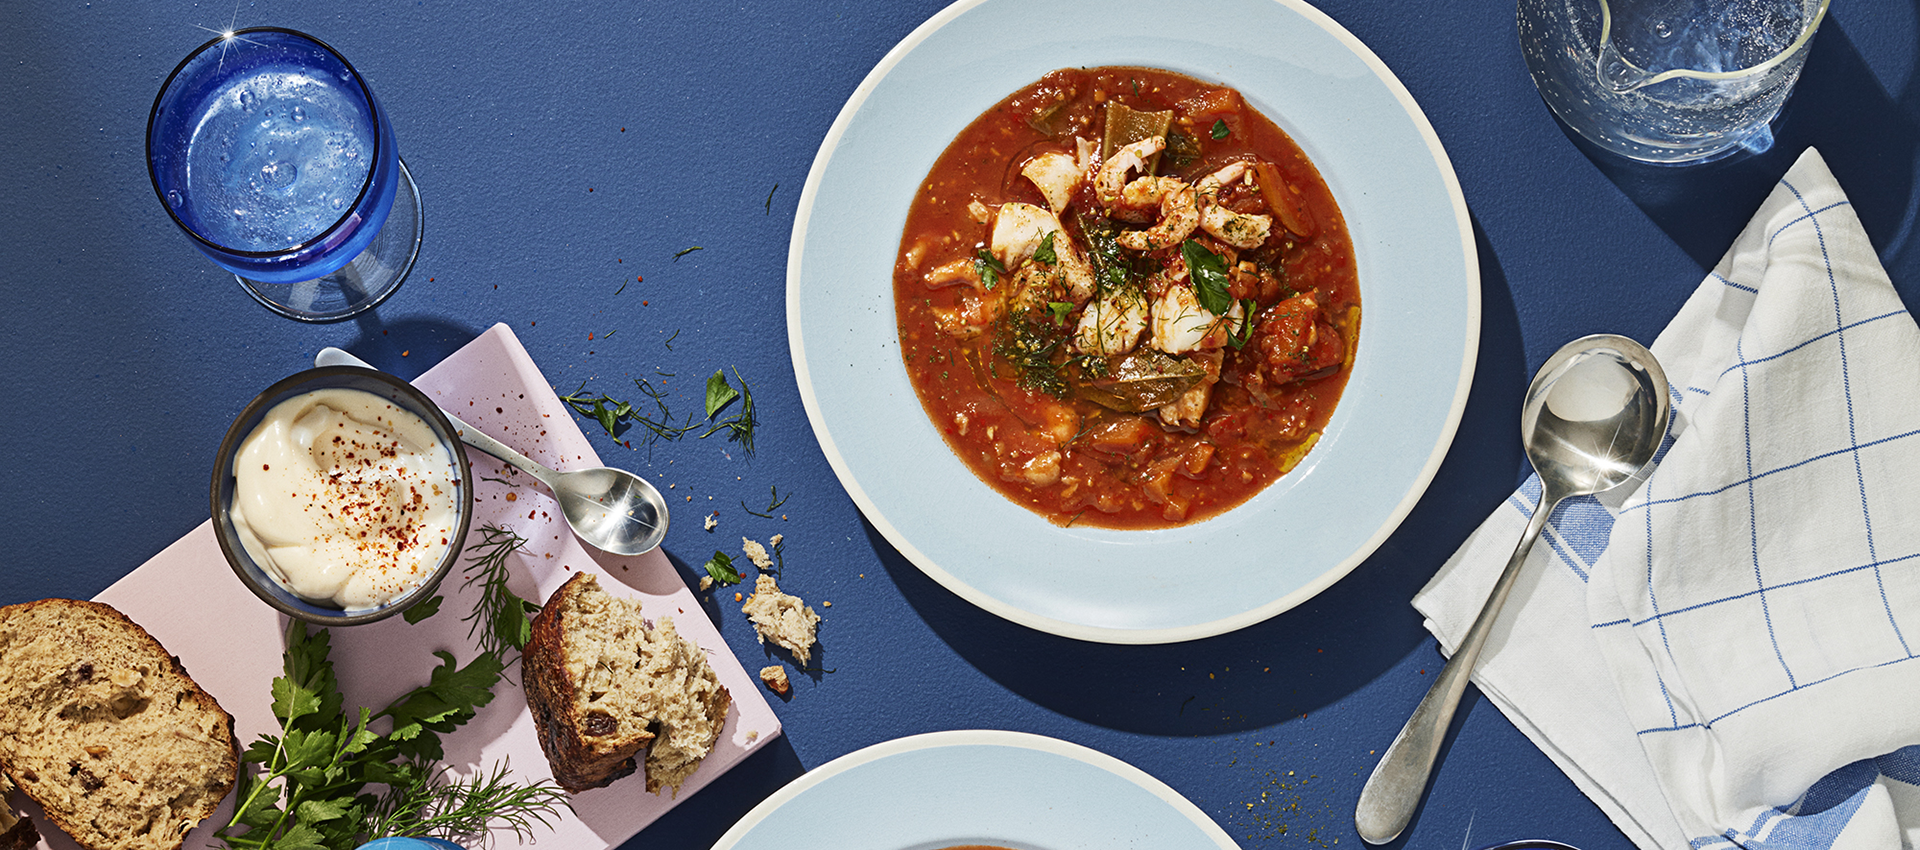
(1239, 339)
(1044, 253)
(990, 268)
(1209, 274)
(602, 409)
(1060, 309)
(1219, 129)
(719, 392)
(720, 567)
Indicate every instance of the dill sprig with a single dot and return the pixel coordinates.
(507, 617)
(432, 805)
(776, 501)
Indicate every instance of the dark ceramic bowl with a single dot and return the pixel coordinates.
(256, 578)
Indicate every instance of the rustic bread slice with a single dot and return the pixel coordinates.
(606, 684)
(105, 730)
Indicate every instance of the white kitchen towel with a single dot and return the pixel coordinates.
(1728, 654)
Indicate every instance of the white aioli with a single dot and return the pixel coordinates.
(345, 497)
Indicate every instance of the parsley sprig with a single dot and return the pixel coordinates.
(316, 784)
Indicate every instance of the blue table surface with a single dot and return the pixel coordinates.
(567, 152)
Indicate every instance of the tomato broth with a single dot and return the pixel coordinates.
(1126, 299)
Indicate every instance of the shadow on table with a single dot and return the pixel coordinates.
(702, 818)
(1295, 663)
(406, 346)
(1841, 108)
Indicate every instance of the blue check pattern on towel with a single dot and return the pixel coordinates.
(1755, 602)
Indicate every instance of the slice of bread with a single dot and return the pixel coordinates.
(105, 730)
(606, 684)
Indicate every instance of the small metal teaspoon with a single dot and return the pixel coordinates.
(612, 509)
(1592, 420)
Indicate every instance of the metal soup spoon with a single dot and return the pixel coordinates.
(1593, 417)
(612, 509)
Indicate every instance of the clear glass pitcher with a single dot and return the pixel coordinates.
(1668, 81)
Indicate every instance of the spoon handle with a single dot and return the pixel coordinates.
(468, 434)
(1394, 790)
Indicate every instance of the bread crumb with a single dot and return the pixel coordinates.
(757, 553)
(706, 583)
(775, 678)
(826, 604)
(781, 618)
(713, 520)
(776, 540)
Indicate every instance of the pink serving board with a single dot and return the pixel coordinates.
(231, 642)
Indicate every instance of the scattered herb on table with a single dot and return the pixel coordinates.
(598, 409)
(774, 505)
(312, 791)
(720, 567)
(740, 426)
(685, 251)
(776, 188)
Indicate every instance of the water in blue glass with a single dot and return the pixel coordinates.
(270, 151)
(276, 157)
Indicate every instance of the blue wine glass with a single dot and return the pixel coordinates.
(270, 152)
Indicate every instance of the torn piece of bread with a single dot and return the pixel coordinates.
(775, 678)
(606, 684)
(781, 619)
(105, 730)
(16, 830)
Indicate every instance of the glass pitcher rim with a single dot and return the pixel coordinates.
(1606, 38)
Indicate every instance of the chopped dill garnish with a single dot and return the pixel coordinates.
(685, 251)
(776, 188)
(1028, 343)
(1115, 269)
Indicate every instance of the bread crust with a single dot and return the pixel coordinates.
(83, 658)
(579, 763)
(654, 697)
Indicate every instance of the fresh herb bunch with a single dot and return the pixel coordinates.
(316, 787)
